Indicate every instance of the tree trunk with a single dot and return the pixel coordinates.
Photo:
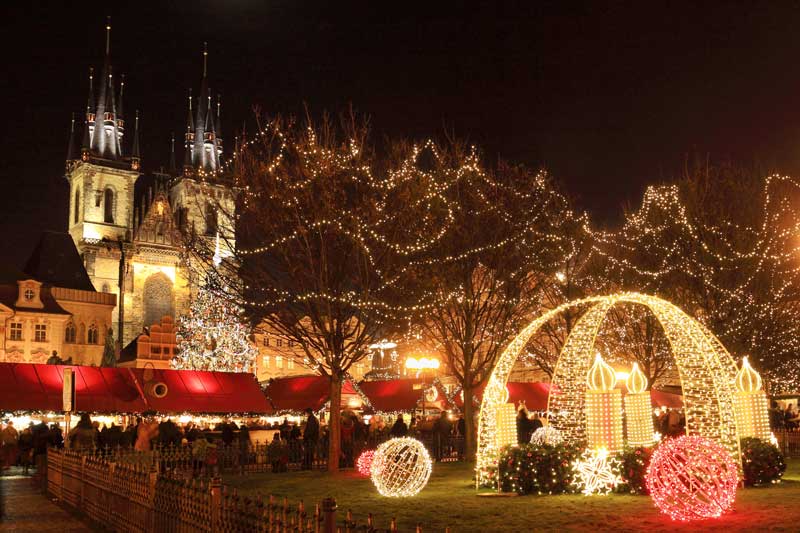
(470, 438)
(334, 442)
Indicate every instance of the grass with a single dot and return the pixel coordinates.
(451, 500)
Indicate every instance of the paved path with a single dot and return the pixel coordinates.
(25, 508)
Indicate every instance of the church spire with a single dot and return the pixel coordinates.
(173, 166)
(71, 155)
(135, 157)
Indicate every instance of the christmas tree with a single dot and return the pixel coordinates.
(212, 336)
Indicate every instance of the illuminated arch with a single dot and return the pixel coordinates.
(706, 369)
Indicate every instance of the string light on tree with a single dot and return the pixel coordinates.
(638, 417)
(596, 472)
(692, 478)
(401, 467)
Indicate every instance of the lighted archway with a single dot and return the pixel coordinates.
(706, 369)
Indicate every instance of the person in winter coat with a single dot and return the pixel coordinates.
(310, 439)
(84, 435)
(399, 429)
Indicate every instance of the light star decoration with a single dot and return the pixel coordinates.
(596, 472)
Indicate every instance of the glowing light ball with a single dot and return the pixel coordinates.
(596, 472)
(364, 462)
(692, 478)
(547, 435)
(401, 467)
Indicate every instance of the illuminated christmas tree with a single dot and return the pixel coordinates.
(212, 336)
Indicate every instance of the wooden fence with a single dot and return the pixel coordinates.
(788, 442)
(137, 498)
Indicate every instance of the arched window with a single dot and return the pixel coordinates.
(157, 298)
(106, 287)
(77, 205)
(81, 338)
(92, 336)
(108, 207)
(211, 219)
(70, 333)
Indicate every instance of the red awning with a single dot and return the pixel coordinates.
(197, 391)
(534, 395)
(666, 399)
(33, 387)
(301, 392)
(397, 394)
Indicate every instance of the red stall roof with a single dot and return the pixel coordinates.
(197, 391)
(33, 387)
(666, 399)
(395, 394)
(301, 392)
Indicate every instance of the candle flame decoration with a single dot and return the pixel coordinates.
(637, 381)
(602, 377)
(747, 379)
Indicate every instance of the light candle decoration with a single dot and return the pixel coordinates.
(603, 408)
(751, 404)
(506, 425)
(638, 416)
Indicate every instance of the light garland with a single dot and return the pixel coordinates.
(596, 472)
(692, 478)
(547, 435)
(639, 428)
(401, 467)
(706, 369)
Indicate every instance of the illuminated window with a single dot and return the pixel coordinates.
(289, 363)
(40, 333)
(266, 341)
(279, 361)
(77, 205)
(29, 294)
(211, 219)
(265, 361)
(15, 331)
(291, 344)
(280, 343)
(70, 333)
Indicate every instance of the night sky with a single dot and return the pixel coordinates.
(608, 97)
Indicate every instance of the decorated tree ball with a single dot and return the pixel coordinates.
(364, 462)
(692, 478)
(547, 435)
(400, 467)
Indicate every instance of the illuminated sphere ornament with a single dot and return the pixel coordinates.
(547, 435)
(692, 478)
(364, 462)
(401, 467)
(596, 472)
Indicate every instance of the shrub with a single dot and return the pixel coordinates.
(762, 462)
(537, 469)
(634, 466)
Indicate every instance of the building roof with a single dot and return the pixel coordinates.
(34, 387)
(10, 293)
(55, 261)
(395, 394)
(301, 392)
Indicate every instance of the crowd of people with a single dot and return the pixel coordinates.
(24, 447)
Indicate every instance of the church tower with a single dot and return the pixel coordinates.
(101, 176)
(203, 200)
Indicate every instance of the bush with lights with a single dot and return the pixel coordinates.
(537, 469)
(633, 469)
(762, 462)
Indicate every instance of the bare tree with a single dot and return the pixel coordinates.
(504, 247)
(326, 232)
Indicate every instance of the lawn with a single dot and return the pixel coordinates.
(451, 500)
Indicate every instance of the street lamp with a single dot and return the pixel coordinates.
(421, 365)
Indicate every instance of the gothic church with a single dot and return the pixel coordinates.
(132, 247)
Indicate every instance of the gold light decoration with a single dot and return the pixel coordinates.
(400, 467)
(706, 369)
(638, 416)
(506, 425)
(603, 408)
(596, 472)
(752, 406)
